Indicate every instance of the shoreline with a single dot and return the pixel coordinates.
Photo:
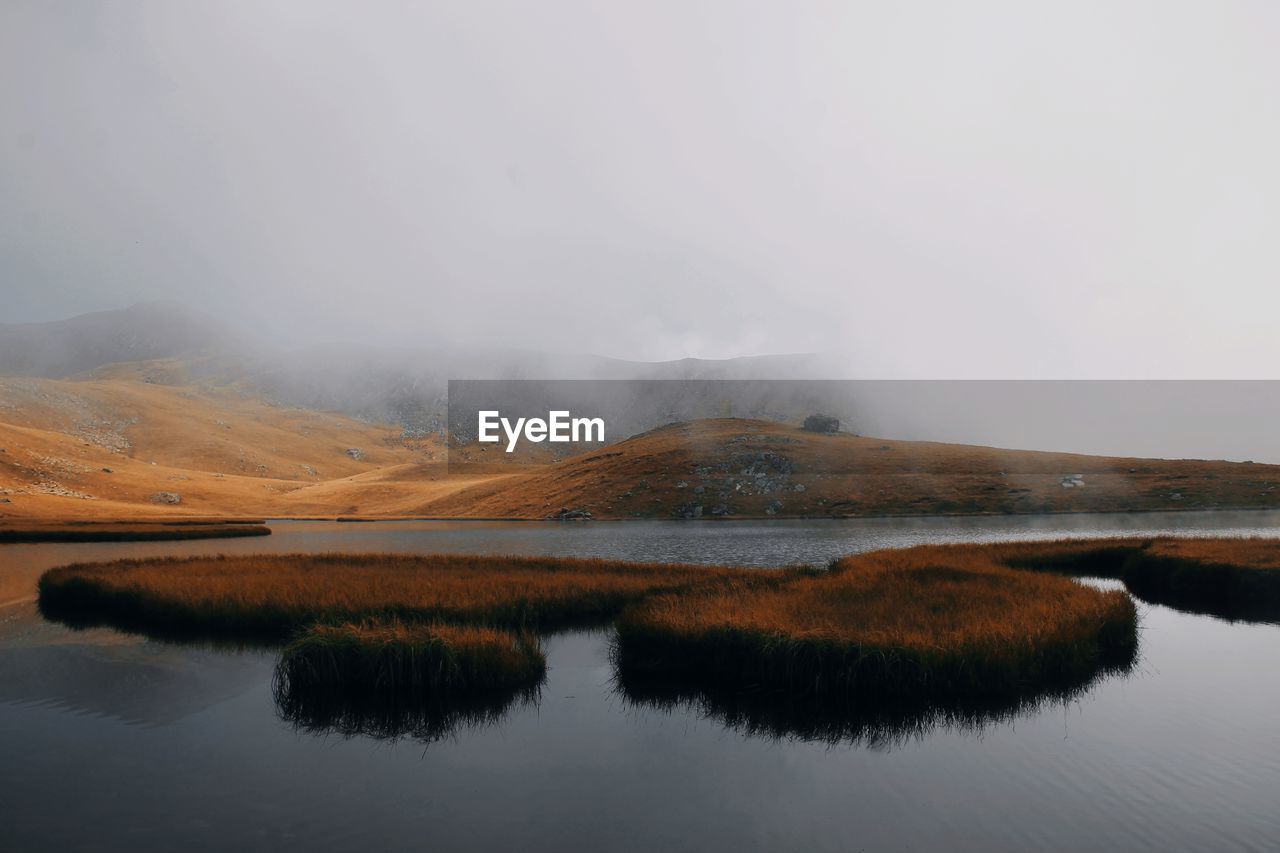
(86, 523)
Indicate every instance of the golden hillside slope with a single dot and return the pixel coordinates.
(123, 448)
(109, 448)
(745, 468)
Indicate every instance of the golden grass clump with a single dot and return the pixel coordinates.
(127, 531)
(388, 716)
(409, 659)
(925, 621)
(1235, 578)
(1251, 553)
(272, 597)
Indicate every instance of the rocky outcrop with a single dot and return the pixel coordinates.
(821, 423)
(566, 514)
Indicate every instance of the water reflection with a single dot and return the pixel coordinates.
(391, 716)
(1222, 604)
(783, 716)
(102, 674)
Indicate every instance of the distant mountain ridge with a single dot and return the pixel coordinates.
(168, 343)
(142, 332)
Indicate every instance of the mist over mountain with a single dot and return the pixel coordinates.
(169, 343)
(142, 332)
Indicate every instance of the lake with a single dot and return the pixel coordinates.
(110, 742)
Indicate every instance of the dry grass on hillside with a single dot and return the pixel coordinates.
(736, 468)
(111, 448)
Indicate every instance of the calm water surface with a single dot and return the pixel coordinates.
(110, 742)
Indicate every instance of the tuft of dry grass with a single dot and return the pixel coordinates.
(272, 597)
(389, 716)
(919, 622)
(1235, 578)
(127, 531)
(409, 659)
(1253, 553)
(1232, 578)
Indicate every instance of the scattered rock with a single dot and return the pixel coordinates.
(166, 498)
(355, 453)
(773, 508)
(107, 471)
(682, 485)
(689, 510)
(798, 487)
(821, 423)
(1071, 481)
(566, 514)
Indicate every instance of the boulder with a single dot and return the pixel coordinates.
(821, 423)
(566, 514)
(689, 510)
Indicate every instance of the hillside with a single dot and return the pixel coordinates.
(168, 343)
(123, 448)
(742, 468)
(152, 330)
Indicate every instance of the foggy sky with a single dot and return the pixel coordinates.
(929, 189)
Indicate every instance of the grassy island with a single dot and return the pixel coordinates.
(987, 625)
(128, 531)
(400, 658)
(920, 622)
(272, 597)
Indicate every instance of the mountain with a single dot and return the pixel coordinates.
(166, 343)
(743, 468)
(143, 332)
(112, 449)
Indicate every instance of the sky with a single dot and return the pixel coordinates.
(933, 190)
